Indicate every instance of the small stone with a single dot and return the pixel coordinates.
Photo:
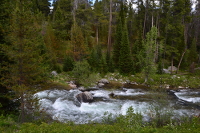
(105, 81)
(54, 73)
(100, 85)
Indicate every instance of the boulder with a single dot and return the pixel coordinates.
(85, 97)
(173, 68)
(104, 81)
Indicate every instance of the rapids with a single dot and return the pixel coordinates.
(62, 104)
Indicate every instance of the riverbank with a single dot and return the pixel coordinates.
(126, 124)
(117, 81)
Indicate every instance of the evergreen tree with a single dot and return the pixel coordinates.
(62, 19)
(7, 105)
(43, 6)
(77, 41)
(27, 68)
(193, 55)
(125, 60)
(117, 44)
(109, 62)
(149, 52)
(68, 64)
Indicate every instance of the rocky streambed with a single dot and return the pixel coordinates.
(96, 103)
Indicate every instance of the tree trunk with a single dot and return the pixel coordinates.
(97, 35)
(110, 29)
(144, 25)
(180, 61)
(172, 63)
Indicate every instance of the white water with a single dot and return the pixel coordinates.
(189, 95)
(60, 104)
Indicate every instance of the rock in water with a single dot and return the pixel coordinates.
(100, 85)
(85, 97)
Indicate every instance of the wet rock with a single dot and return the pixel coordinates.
(85, 97)
(112, 94)
(100, 85)
(172, 93)
(73, 86)
(81, 88)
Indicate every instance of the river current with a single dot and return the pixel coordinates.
(62, 104)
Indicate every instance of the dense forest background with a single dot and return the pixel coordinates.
(107, 35)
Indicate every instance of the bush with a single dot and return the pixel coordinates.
(81, 72)
(68, 64)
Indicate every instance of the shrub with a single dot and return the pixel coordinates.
(68, 64)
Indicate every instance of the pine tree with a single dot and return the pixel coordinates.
(149, 52)
(43, 6)
(117, 44)
(77, 40)
(7, 105)
(193, 55)
(27, 69)
(68, 64)
(125, 60)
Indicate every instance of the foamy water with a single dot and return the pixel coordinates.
(189, 95)
(60, 104)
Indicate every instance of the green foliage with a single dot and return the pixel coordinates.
(62, 19)
(131, 120)
(149, 51)
(77, 40)
(117, 44)
(103, 69)
(160, 112)
(43, 6)
(138, 54)
(26, 65)
(193, 56)
(125, 60)
(174, 81)
(68, 64)
(95, 58)
(81, 71)
(128, 123)
(109, 62)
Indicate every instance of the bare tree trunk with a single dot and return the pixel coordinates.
(97, 35)
(144, 25)
(152, 20)
(110, 29)
(180, 61)
(172, 63)
(185, 33)
(75, 6)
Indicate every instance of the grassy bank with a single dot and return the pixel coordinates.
(156, 81)
(131, 123)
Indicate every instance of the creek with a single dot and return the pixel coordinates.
(61, 105)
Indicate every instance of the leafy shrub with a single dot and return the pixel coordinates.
(83, 74)
(130, 120)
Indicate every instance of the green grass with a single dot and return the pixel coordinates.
(131, 123)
